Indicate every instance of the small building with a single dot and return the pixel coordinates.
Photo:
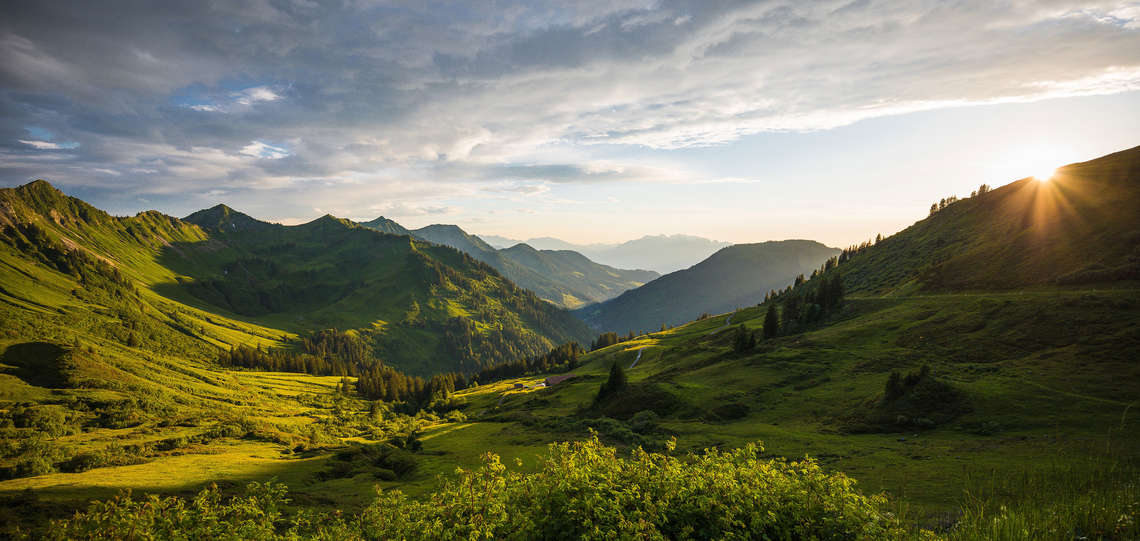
(555, 380)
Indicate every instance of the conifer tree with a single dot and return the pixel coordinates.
(771, 322)
(615, 383)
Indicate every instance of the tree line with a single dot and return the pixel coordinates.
(947, 201)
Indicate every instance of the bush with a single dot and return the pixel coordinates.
(582, 490)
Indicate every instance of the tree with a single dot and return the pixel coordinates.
(744, 340)
(615, 383)
(894, 388)
(771, 322)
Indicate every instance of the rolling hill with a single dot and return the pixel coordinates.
(734, 277)
(565, 278)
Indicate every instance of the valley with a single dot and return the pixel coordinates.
(990, 344)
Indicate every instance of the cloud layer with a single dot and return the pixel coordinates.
(402, 106)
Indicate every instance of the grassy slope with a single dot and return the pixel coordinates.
(1013, 355)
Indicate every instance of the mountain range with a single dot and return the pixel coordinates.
(563, 277)
(660, 253)
(420, 306)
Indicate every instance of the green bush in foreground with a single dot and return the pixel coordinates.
(582, 491)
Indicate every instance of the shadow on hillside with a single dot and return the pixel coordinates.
(36, 363)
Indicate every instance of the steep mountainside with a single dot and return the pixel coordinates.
(1082, 226)
(564, 278)
(736, 276)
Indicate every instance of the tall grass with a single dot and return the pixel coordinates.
(1098, 499)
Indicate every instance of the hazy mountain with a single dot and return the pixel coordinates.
(565, 278)
(660, 253)
(733, 277)
(500, 242)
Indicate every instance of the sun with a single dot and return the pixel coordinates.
(1045, 174)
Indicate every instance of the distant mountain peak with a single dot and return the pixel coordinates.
(225, 219)
(385, 225)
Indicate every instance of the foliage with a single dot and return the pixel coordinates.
(582, 490)
(560, 359)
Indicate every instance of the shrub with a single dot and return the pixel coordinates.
(582, 490)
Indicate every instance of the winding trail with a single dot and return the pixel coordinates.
(639, 352)
(727, 322)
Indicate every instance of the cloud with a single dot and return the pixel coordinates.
(258, 149)
(255, 94)
(41, 145)
(367, 99)
(401, 209)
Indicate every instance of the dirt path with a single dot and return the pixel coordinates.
(727, 322)
(639, 352)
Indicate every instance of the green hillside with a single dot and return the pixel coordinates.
(733, 277)
(1080, 227)
(563, 277)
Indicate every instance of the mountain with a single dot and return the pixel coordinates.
(736, 276)
(564, 278)
(421, 307)
(385, 225)
(453, 236)
(500, 242)
(659, 253)
(579, 280)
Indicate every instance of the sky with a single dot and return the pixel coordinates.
(590, 121)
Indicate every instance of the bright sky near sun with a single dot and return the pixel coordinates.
(592, 121)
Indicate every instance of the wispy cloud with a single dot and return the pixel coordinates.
(258, 149)
(473, 100)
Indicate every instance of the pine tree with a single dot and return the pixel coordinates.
(894, 388)
(771, 322)
(615, 383)
(740, 342)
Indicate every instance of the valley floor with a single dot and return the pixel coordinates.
(1050, 379)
